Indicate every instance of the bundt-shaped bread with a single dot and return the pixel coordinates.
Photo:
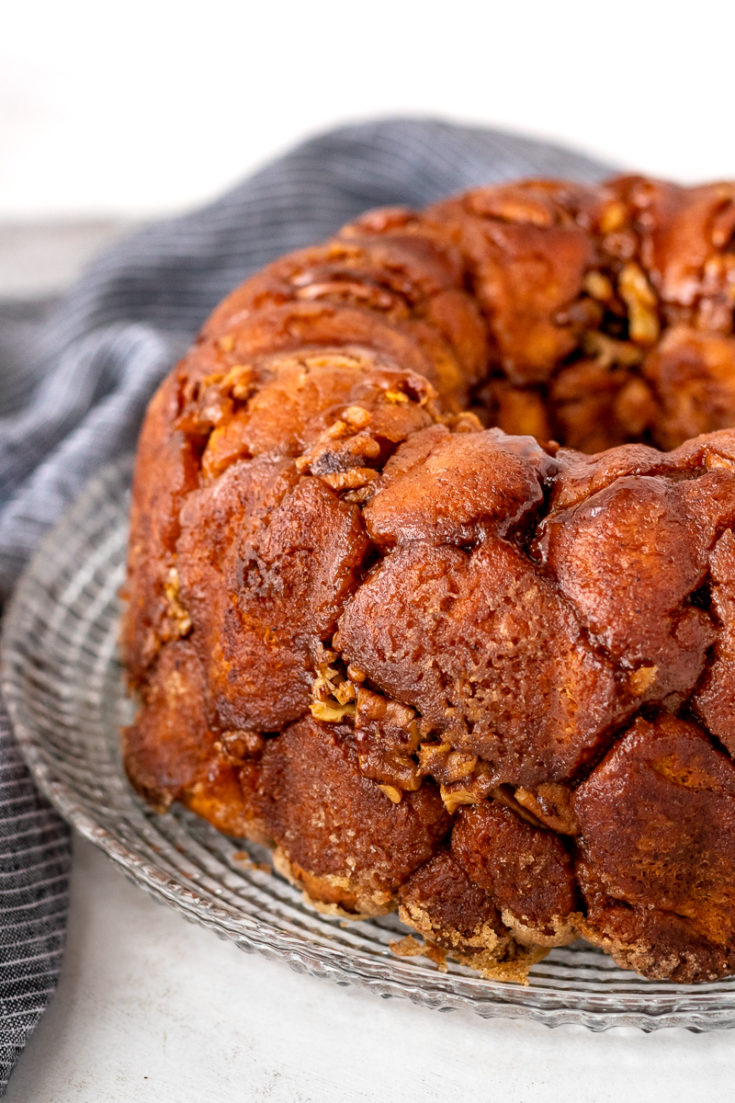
(379, 618)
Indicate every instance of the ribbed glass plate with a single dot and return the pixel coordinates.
(64, 689)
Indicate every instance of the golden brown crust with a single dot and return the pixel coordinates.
(354, 844)
(487, 677)
(527, 871)
(657, 851)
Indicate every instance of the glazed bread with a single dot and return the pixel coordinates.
(432, 573)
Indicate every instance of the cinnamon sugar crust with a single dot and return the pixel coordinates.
(431, 579)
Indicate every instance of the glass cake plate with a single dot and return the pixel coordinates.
(64, 689)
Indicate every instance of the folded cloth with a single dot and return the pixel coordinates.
(75, 379)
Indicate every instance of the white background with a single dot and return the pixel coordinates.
(151, 105)
(141, 108)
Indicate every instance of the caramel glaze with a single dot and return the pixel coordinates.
(432, 573)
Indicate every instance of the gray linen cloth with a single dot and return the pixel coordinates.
(74, 381)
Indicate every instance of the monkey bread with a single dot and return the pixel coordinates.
(431, 576)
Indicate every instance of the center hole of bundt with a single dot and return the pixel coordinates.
(631, 379)
(613, 391)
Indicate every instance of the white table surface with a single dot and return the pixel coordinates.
(151, 1009)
